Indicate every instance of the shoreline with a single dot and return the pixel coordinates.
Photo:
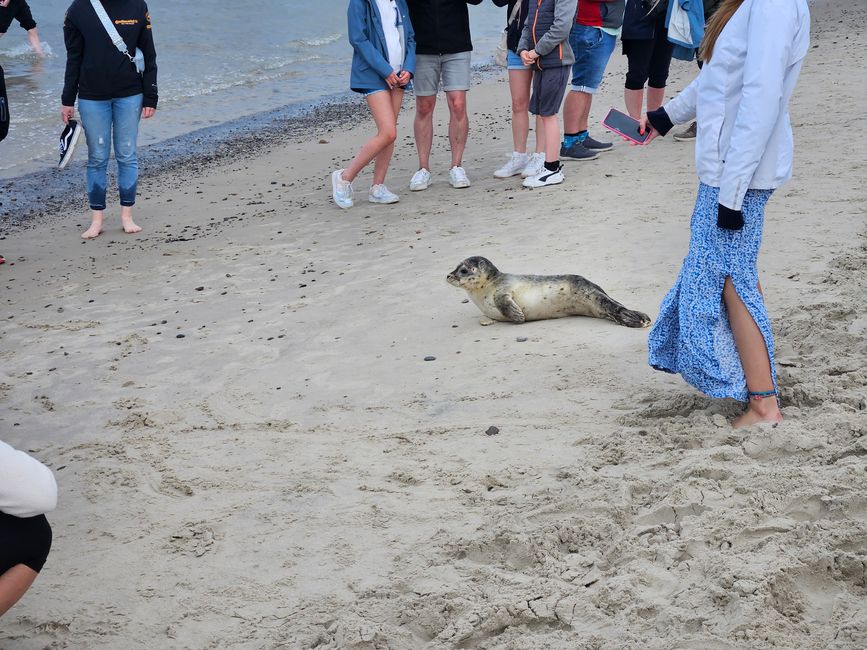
(46, 194)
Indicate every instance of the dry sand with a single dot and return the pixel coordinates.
(291, 473)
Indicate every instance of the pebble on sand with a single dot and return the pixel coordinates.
(521, 339)
(492, 431)
(429, 358)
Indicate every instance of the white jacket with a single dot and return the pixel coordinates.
(740, 99)
(27, 487)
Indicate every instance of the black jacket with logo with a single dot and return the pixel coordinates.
(95, 69)
(441, 26)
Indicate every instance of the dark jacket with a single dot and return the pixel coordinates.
(370, 65)
(95, 69)
(600, 13)
(547, 32)
(513, 31)
(638, 25)
(441, 26)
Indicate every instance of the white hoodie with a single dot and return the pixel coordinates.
(740, 99)
(27, 487)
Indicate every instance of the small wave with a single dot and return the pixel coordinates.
(22, 50)
(314, 42)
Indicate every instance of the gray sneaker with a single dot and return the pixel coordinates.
(595, 145)
(687, 134)
(577, 152)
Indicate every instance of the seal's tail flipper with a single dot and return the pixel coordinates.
(631, 318)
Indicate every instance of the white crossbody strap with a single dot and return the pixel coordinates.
(111, 29)
(514, 13)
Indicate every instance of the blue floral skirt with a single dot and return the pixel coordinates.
(691, 335)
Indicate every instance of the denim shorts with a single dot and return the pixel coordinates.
(514, 62)
(592, 48)
(452, 69)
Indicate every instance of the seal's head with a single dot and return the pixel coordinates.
(473, 274)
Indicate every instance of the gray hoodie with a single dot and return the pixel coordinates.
(547, 31)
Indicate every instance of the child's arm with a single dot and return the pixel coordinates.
(360, 41)
(564, 17)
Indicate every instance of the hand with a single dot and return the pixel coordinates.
(644, 125)
(529, 56)
(148, 111)
(5, 3)
(392, 80)
(66, 112)
(404, 78)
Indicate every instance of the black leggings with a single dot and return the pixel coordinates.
(4, 107)
(24, 540)
(649, 60)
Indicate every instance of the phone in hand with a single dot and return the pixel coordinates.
(625, 126)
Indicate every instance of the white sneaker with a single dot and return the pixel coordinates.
(381, 194)
(341, 190)
(514, 166)
(535, 165)
(545, 178)
(458, 177)
(420, 180)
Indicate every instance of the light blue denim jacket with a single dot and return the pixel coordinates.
(370, 66)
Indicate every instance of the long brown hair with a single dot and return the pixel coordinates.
(715, 25)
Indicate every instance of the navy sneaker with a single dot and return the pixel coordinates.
(595, 145)
(577, 152)
(68, 140)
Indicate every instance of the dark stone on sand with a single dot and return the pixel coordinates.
(200, 288)
(492, 431)
(180, 336)
(521, 339)
(430, 358)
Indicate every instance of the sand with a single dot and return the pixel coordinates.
(252, 451)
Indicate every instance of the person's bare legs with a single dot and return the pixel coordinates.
(634, 100)
(655, 98)
(383, 158)
(422, 128)
(576, 111)
(95, 229)
(459, 124)
(754, 358)
(129, 226)
(382, 108)
(551, 129)
(519, 87)
(35, 44)
(13, 584)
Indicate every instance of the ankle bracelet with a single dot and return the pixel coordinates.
(760, 395)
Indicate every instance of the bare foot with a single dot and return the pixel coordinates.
(763, 411)
(93, 232)
(130, 228)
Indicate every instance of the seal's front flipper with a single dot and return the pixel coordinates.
(509, 308)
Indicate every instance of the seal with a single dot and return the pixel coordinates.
(520, 298)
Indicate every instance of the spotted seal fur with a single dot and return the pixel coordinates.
(520, 298)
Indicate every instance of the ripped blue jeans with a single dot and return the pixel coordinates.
(99, 119)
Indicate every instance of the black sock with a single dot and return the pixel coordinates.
(552, 166)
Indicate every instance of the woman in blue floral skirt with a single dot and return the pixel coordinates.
(713, 328)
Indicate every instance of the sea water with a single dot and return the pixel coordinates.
(218, 60)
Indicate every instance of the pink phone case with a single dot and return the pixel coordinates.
(620, 133)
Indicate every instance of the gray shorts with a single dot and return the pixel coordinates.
(549, 88)
(452, 69)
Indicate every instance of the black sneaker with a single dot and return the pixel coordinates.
(577, 152)
(68, 140)
(595, 145)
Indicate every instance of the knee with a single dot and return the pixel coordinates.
(520, 103)
(125, 153)
(389, 133)
(458, 108)
(424, 109)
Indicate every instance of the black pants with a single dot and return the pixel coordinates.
(4, 107)
(649, 60)
(25, 541)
